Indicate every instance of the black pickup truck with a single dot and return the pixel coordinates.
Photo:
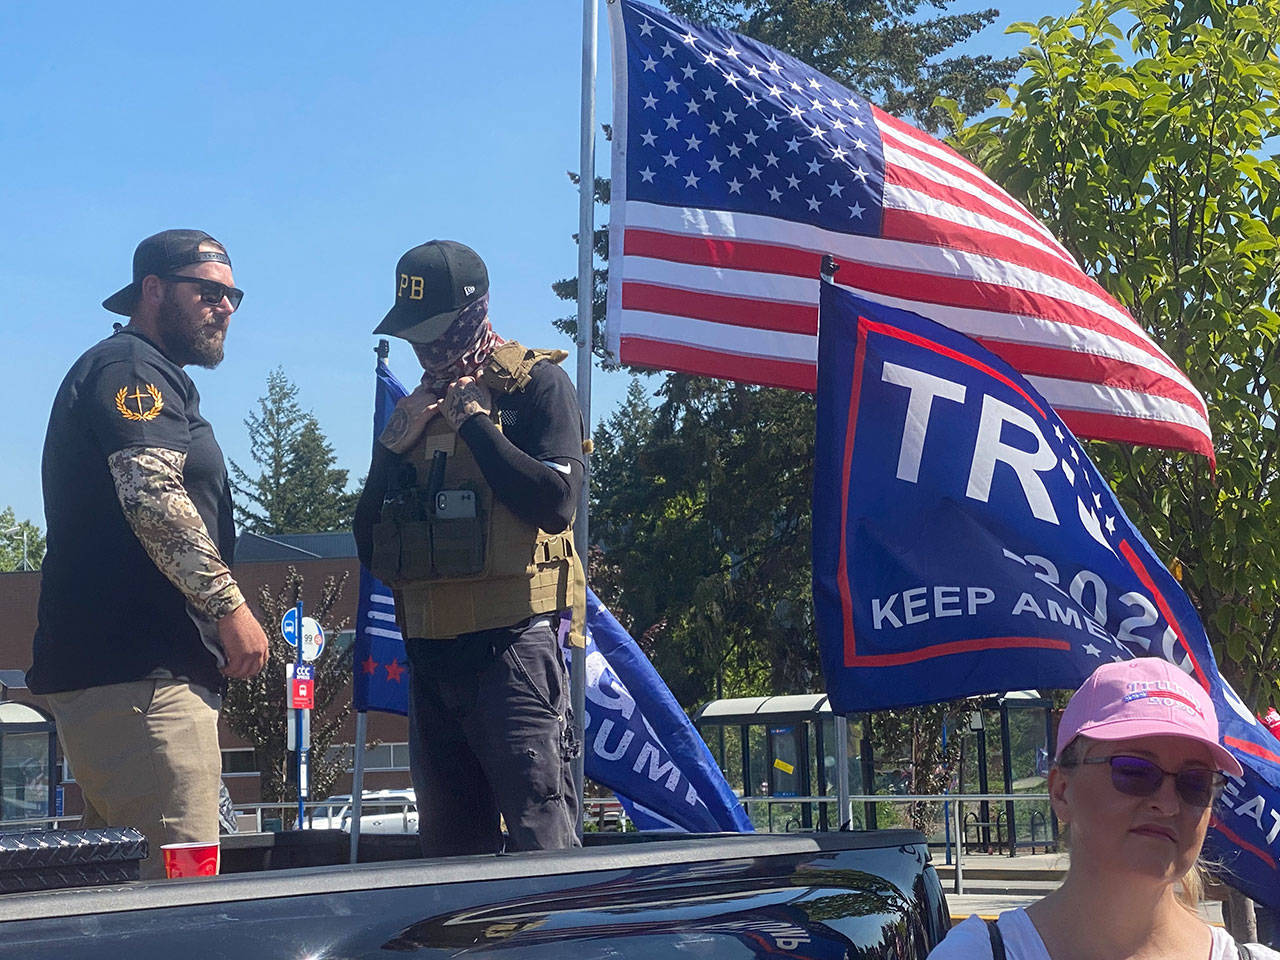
(821, 896)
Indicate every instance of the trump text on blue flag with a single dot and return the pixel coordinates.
(965, 544)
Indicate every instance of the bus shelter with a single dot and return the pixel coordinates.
(1025, 730)
(792, 761)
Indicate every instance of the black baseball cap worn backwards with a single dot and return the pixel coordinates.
(162, 254)
(434, 282)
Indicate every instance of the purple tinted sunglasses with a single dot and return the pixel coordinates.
(1139, 777)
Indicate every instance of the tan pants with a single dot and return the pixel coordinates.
(145, 755)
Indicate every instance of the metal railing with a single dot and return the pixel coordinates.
(956, 804)
(286, 812)
(43, 823)
(793, 819)
(598, 810)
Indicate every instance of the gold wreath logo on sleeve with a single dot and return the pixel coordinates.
(146, 406)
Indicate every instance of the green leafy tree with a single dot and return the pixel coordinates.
(911, 740)
(297, 489)
(13, 556)
(256, 708)
(1138, 137)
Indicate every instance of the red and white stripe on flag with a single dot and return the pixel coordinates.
(715, 245)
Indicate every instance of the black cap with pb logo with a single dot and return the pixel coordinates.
(434, 282)
(161, 254)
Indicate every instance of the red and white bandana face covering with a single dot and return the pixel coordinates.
(460, 350)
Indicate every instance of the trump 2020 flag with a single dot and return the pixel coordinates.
(380, 669)
(736, 167)
(964, 543)
(639, 742)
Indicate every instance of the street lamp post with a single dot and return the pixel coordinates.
(978, 725)
(23, 530)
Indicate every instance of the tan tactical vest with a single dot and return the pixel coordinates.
(524, 571)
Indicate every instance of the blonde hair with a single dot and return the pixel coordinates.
(1193, 884)
(1191, 887)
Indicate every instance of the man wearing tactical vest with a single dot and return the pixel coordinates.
(467, 515)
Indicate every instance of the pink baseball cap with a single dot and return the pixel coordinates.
(1146, 697)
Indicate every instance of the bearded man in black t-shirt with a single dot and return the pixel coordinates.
(140, 620)
(467, 516)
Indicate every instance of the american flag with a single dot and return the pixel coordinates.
(737, 167)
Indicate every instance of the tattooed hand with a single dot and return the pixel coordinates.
(466, 397)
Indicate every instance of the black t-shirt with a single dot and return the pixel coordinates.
(106, 613)
(544, 419)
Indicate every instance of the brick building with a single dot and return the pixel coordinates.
(258, 560)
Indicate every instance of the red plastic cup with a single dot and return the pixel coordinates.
(196, 859)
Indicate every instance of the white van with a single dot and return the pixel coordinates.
(382, 811)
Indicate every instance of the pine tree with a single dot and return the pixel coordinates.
(298, 489)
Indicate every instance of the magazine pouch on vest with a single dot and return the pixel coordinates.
(426, 532)
(458, 559)
(402, 537)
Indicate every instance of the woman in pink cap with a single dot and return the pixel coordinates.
(1136, 772)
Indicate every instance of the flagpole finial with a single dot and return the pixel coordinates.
(829, 268)
(383, 349)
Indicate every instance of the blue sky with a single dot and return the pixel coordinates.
(318, 142)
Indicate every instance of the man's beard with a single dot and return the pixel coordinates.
(189, 340)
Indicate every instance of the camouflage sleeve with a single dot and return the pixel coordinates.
(149, 486)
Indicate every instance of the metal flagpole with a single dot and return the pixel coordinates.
(842, 771)
(380, 352)
(586, 289)
(357, 784)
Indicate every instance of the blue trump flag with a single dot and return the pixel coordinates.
(380, 679)
(639, 742)
(964, 544)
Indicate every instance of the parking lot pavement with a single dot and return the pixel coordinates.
(989, 906)
(994, 883)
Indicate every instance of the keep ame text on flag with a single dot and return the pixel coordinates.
(965, 544)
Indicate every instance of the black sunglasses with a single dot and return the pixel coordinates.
(1139, 777)
(211, 291)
